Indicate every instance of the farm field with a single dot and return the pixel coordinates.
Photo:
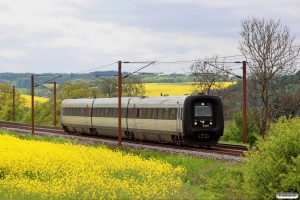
(46, 170)
(39, 167)
(36, 98)
(174, 89)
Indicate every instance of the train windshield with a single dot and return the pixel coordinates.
(203, 109)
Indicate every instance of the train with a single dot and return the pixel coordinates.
(195, 120)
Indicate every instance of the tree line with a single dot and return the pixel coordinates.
(23, 80)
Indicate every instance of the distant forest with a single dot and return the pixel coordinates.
(23, 80)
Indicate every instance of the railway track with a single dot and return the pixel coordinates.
(219, 149)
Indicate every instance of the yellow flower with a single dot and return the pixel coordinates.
(48, 170)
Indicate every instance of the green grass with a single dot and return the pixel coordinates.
(205, 178)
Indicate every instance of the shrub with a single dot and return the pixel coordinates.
(234, 130)
(273, 165)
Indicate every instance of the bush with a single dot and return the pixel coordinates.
(273, 165)
(234, 130)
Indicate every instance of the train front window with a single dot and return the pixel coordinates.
(203, 115)
(203, 109)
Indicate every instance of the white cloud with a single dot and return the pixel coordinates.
(13, 54)
(38, 33)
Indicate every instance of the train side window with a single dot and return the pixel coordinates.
(160, 113)
(149, 113)
(138, 113)
(143, 113)
(173, 112)
(115, 112)
(134, 112)
(124, 112)
(110, 112)
(102, 112)
(105, 112)
(154, 113)
(166, 113)
(97, 112)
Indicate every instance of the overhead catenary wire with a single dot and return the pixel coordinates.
(47, 81)
(96, 68)
(138, 69)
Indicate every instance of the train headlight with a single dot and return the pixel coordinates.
(210, 123)
(195, 123)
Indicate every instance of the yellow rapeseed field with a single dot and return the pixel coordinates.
(36, 98)
(67, 171)
(175, 89)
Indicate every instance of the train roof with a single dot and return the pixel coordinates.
(159, 100)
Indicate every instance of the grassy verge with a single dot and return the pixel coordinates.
(204, 178)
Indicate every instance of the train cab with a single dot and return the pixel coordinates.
(203, 121)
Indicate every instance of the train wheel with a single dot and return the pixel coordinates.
(176, 140)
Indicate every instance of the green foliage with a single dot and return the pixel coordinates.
(71, 90)
(273, 165)
(6, 103)
(234, 130)
(109, 87)
(43, 114)
(132, 87)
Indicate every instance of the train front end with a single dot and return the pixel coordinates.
(203, 120)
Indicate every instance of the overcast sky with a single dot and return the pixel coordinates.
(64, 36)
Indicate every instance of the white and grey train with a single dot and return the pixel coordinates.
(182, 120)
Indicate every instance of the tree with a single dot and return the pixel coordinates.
(272, 54)
(133, 87)
(71, 90)
(6, 103)
(207, 74)
(109, 87)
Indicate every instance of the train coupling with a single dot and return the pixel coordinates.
(204, 135)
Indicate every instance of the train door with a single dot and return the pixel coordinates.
(86, 114)
(179, 120)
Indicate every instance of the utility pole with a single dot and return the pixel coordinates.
(54, 103)
(32, 104)
(244, 104)
(119, 103)
(14, 103)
